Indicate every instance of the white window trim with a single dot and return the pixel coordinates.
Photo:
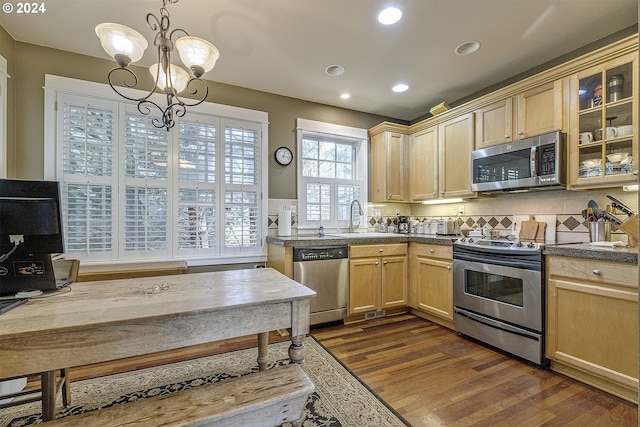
(55, 84)
(3, 117)
(362, 159)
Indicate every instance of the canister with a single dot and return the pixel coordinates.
(614, 87)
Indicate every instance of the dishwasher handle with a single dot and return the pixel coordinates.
(320, 253)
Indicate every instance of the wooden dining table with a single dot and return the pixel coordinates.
(107, 320)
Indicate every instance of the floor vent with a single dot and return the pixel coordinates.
(374, 315)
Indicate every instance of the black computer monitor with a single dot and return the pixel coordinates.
(30, 232)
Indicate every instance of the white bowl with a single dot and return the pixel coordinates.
(617, 157)
(592, 163)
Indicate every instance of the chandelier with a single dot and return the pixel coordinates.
(127, 46)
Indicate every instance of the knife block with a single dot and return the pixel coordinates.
(630, 227)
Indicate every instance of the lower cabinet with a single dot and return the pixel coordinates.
(592, 323)
(432, 280)
(378, 277)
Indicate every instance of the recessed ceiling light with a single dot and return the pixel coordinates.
(345, 96)
(401, 87)
(467, 48)
(389, 16)
(334, 70)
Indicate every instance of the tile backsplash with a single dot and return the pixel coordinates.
(496, 212)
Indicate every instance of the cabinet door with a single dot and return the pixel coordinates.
(539, 110)
(434, 286)
(424, 165)
(602, 141)
(592, 318)
(394, 282)
(494, 124)
(388, 168)
(364, 285)
(455, 143)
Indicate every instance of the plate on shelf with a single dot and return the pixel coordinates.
(617, 157)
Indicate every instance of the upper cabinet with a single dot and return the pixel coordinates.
(603, 137)
(529, 113)
(388, 167)
(441, 160)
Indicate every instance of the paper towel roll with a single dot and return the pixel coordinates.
(284, 223)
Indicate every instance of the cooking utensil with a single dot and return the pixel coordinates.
(592, 204)
(610, 218)
(617, 204)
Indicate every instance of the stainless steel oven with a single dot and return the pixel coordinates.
(498, 295)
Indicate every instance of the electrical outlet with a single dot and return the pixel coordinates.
(454, 210)
(293, 210)
(461, 210)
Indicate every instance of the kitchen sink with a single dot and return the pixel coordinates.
(362, 235)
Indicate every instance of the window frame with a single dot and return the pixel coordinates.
(335, 133)
(257, 120)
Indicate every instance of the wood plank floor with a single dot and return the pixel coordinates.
(433, 377)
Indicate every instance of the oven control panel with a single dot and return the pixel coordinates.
(477, 242)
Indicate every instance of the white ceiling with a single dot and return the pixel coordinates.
(284, 46)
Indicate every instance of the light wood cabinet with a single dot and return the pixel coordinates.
(378, 277)
(388, 167)
(592, 323)
(455, 143)
(602, 141)
(423, 154)
(533, 112)
(431, 279)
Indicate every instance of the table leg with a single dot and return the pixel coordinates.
(263, 350)
(296, 349)
(48, 386)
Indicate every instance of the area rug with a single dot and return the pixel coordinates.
(340, 399)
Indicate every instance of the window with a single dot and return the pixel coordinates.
(134, 192)
(332, 172)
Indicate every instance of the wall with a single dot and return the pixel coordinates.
(29, 63)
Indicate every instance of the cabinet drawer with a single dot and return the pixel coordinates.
(367, 251)
(434, 251)
(612, 273)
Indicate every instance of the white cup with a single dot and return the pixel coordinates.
(625, 130)
(586, 137)
(612, 132)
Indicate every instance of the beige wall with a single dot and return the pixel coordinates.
(29, 63)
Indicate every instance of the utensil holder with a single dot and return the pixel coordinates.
(599, 231)
(630, 227)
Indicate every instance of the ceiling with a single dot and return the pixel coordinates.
(284, 46)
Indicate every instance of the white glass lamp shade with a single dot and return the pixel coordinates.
(196, 52)
(179, 77)
(118, 39)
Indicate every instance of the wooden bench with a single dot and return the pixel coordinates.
(267, 398)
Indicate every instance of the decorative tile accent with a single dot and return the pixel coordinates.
(493, 222)
(506, 222)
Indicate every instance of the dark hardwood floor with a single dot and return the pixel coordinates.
(433, 377)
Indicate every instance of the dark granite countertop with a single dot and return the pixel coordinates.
(370, 238)
(584, 250)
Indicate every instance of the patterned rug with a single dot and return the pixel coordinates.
(340, 398)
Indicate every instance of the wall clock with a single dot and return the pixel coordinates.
(283, 156)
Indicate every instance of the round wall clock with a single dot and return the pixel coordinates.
(283, 156)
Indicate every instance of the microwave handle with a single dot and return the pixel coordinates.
(532, 161)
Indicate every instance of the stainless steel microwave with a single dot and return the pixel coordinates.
(532, 163)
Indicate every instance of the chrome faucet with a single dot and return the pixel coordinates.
(351, 227)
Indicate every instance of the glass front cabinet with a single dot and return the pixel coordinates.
(602, 141)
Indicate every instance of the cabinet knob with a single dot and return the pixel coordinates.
(431, 250)
(380, 250)
(390, 195)
(507, 136)
(433, 194)
(442, 192)
(596, 272)
(448, 267)
(385, 263)
(377, 262)
(520, 132)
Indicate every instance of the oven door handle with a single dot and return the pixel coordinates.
(515, 263)
(495, 324)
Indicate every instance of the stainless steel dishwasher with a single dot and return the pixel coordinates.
(324, 269)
